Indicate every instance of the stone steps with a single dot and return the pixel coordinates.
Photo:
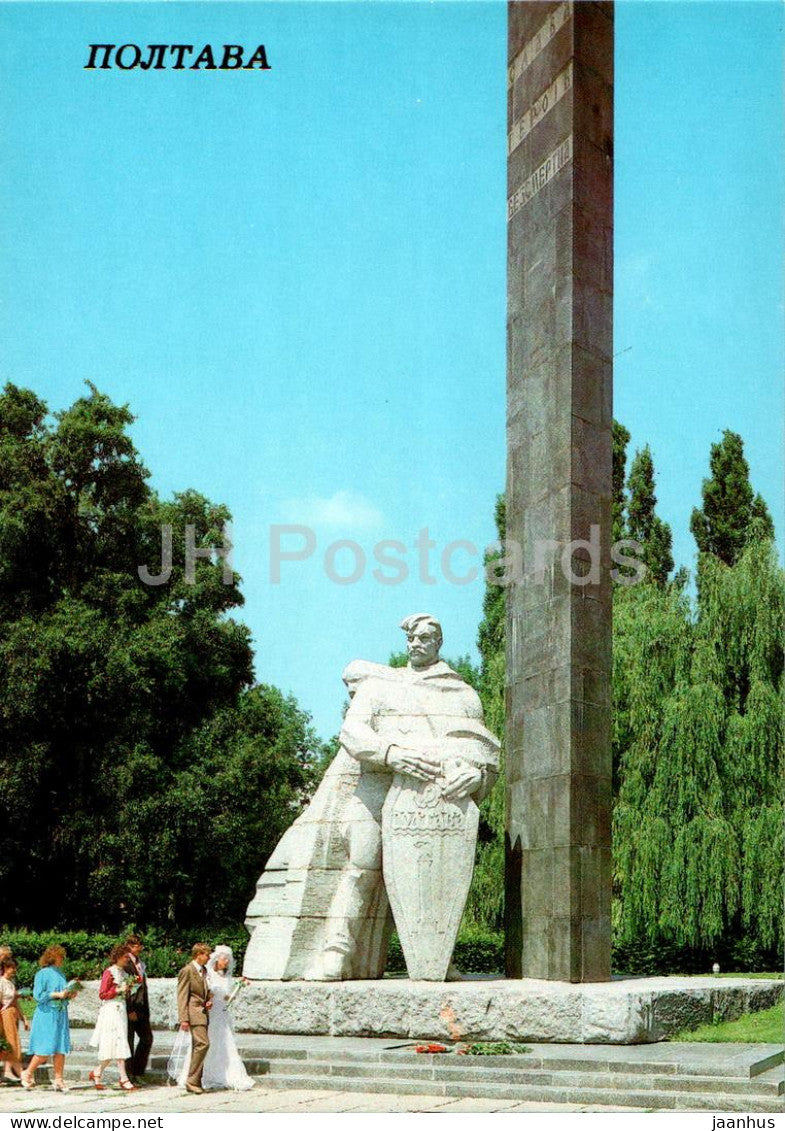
(608, 1095)
(519, 1062)
(663, 1086)
(656, 1085)
(469, 1070)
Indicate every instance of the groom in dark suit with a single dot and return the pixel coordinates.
(194, 1001)
(138, 1005)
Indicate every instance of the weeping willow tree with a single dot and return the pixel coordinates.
(698, 822)
(697, 748)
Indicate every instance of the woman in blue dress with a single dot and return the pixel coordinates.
(49, 1034)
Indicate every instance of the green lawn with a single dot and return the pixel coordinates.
(765, 1027)
(776, 976)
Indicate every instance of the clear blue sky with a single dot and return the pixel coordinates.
(297, 278)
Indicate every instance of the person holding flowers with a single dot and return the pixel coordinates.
(49, 1033)
(110, 1036)
(223, 1067)
(10, 1016)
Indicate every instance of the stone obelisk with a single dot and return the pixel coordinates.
(559, 416)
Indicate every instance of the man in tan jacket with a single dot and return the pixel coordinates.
(194, 1001)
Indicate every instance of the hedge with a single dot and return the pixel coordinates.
(86, 954)
(477, 951)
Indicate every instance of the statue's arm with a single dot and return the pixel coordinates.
(489, 775)
(358, 736)
(488, 763)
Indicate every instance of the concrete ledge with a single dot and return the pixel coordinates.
(623, 1011)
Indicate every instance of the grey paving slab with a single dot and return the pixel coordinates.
(340, 1101)
(166, 1100)
(373, 1102)
(78, 1099)
(249, 1103)
(477, 1105)
(555, 1108)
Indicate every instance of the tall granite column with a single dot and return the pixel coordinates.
(559, 386)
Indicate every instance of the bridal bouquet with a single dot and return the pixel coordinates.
(127, 984)
(240, 985)
(72, 988)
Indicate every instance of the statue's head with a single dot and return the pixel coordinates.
(423, 639)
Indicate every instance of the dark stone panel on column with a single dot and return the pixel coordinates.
(560, 404)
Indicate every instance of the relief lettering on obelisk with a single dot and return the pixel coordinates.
(522, 126)
(559, 488)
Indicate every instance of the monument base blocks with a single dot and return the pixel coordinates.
(623, 1011)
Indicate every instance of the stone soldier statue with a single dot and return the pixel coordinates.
(423, 735)
(412, 734)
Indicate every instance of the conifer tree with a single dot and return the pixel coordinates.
(621, 439)
(731, 514)
(643, 523)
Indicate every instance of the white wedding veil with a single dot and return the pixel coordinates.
(221, 951)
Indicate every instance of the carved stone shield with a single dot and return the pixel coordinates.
(428, 859)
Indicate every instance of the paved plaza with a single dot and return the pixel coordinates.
(158, 1099)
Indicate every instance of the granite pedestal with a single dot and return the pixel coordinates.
(622, 1011)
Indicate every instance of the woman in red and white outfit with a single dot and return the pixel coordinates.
(10, 1016)
(110, 1035)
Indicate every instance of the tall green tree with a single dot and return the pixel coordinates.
(643, 522)
(233, 787)
(732, 514)
(621, 438)
(108, 681)
(698, 826)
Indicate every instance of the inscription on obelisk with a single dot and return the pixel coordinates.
(559, 415)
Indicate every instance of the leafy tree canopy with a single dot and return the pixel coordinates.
(138, 763)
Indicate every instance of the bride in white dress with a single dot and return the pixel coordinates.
(223, 1067)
